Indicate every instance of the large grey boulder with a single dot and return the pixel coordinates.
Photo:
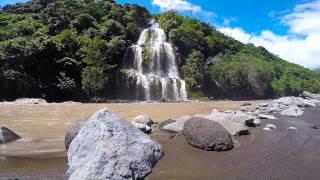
(207, 135)
(307, 94)
(143, 119)
(6, 135)
(73, 130)
(176, 126)
(109, 147)
(293, 111)
(235, 123)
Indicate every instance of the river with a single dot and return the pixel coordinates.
(41, 154)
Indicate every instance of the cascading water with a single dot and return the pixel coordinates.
(152, 63)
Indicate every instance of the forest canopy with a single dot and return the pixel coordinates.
(73, 50)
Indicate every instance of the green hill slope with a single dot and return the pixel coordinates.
(72, 50)
(217, 65)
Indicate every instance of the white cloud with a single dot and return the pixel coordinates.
(300, 46)
(182, 6)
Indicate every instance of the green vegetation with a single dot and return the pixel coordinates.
(217, 65)
(73, 50)
(65, 49)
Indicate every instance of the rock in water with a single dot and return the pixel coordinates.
(73, 130)
(207, 135)
(6, 135)
(109, 147)
(269, 127)
(143, 119)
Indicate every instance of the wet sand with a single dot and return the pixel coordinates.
(278, 154)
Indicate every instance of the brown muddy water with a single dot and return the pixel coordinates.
(280, 154)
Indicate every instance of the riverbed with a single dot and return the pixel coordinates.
(280, 154)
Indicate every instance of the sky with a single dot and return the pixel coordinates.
(287, 28)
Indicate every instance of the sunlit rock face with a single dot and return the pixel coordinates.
(151, 68)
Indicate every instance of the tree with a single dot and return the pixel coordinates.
(93, 80)
(193, 68)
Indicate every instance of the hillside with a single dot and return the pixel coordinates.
(73, 50)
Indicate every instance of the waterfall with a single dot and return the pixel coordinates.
(153, 64)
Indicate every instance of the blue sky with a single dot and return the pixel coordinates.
(251, 15)
(288, 28)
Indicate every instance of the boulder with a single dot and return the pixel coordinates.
(143, 119)
(293, 111)
(234, 123)
(307, 94)
(6, 135)
(265, 116)
(73, 130)
(176, 126)
(270, 127)
(109, 147)
(207, 135)
(142, 127)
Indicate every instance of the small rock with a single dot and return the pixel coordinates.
(293, 111)
(269, 127)
(73, 130)
(263, 105)
(265, 116)
(143, 119)
(6, 135)
(254, 123)
(246, 104)
(207, 135)
(142, 127)
(292, 128)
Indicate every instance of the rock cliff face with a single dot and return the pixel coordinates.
(109, 147)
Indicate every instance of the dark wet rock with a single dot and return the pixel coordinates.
(163, 100)
(246, 104)
(253, 123)
(109, 147)
(6, 135)
(143, 119)
(207, 135)
(73, 130)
